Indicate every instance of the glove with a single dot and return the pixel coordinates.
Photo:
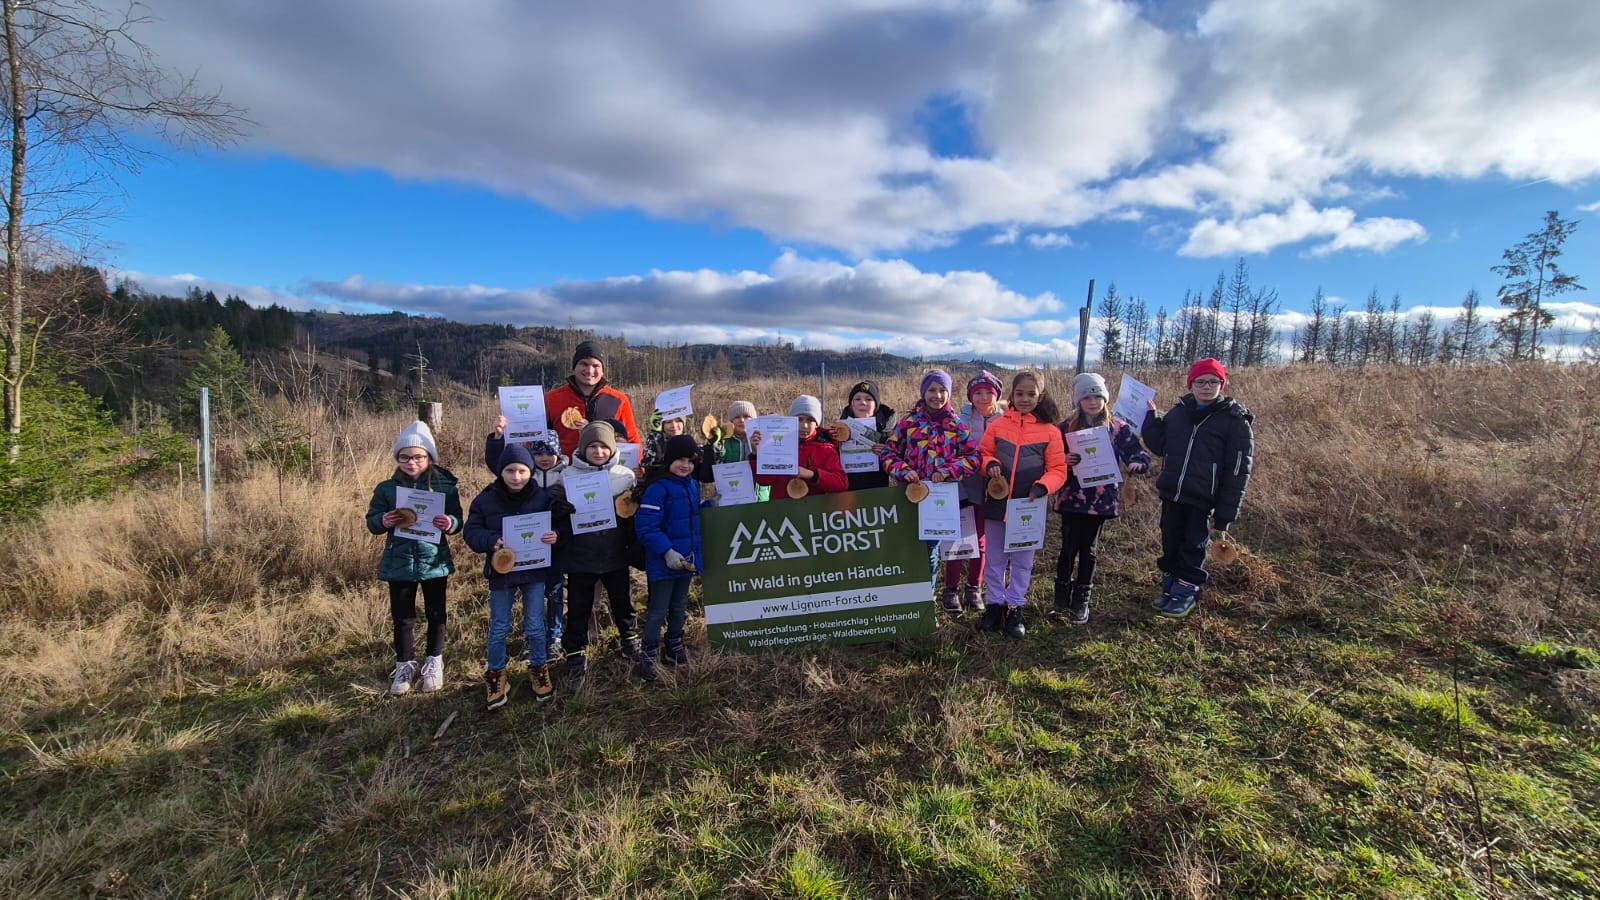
(561, 507)
(1074, 459)
(677, 561)
(655, 420)
(716, 435)
(1038, 490)
(1138, 468)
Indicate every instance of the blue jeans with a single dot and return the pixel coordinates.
(555, 600)
(500, 603)
(669, 602)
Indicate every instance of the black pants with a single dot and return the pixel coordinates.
(1185, 534)
(403, 609)
(580, 607)
(1080, 540)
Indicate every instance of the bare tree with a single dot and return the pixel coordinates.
(75, 80)
(1316, 328)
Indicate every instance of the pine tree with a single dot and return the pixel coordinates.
(222, 369)
(1532, 277)
(1111, 349)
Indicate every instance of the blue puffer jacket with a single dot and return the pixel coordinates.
(484, 520)
(669, 519)
(1105, 500)
(1206, 455)
(405, 559)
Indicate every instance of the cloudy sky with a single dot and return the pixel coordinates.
(937, 177)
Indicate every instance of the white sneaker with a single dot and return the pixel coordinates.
(400, 680)
(432, 674)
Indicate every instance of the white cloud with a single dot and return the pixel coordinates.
(802, 120)
(1049, 240)
(1261, 233)
(1004, 238)
(1590, 207)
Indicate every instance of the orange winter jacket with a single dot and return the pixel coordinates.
(1029, 451)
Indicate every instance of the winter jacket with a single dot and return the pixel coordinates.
(595, 552)
(404, 559)
(669, 519)
(1029, 451)
(820, 455)
(976, 422)
(605, 403)
(545, 478)
(1105, 500)
(1206, 455)
(929, 445)
(883, 417)
(484, 519)
(732, 449)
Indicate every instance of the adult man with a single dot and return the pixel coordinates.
(594, 399)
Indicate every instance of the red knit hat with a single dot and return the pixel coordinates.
(1207, 366)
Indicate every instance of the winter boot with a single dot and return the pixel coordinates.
(494, 688)
(1166, 593)
(676, 655)
(1062, 605)
(989, 622)
(949, 602)
(1014, 627)
(973, 594)
(1078, 607)
(1182, 601)
(629, 649)
(539, 678)
(577, 667)
(647, 667)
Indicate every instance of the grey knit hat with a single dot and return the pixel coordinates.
(1088, 384)
(806, 405)
(741, 408)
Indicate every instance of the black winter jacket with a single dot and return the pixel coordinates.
(1206, 455)
(483, 528)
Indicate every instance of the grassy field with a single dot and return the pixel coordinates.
(1395, 694)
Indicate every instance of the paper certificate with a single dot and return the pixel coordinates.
(426, 504)
(1098, 464)
(780, 444)
(674, 404)
(629, 454)
(1133, 401)
(590, 493)
(856, 454)
(967, 546)
(523, 407)
(1025, 522)
(735, 484)
(939, 513)
(524, 536)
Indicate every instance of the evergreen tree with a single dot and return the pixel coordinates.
(1111, 350)
(221, 369)
(1532, 277)
(1469, 330)
(1316, 328)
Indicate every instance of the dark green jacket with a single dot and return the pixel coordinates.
(405, 559)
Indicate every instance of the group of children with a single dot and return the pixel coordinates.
(1205, 441)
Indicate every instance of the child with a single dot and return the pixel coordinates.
(548, 465)
(512, 493)
(931, 444)
(596, 557)
(669, 528)
(1024, 447)
(733, 447)
(819, 457)
(863, 404)
(1207, 447)
(981, 408)
(1084, 511)
(651, 461)
(408, 565)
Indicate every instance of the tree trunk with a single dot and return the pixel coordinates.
(14, 200)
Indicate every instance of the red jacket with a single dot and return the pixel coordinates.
(1029, 451)
(818, 454)
(605, 403)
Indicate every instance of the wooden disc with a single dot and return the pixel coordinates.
(708, 425)
(798, 488)
(1223, 553)
(503, 560)
(570, 417)
(626, 505)
(916, 492)
(999, 488)
(840, 431)
(408, 517)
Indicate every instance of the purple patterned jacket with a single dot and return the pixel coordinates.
(1106, 500)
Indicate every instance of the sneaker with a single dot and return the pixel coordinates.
(1182, 601)
(539, 677)
(628, 651)
(577, 667)
(1078, 606)
(647, 668)
(676, 655)
(494, 688)
(400, 679)
(973, 595)
(990, 620)
(432, 674)
(1014, 627)
(948, 601)
(1161, 602)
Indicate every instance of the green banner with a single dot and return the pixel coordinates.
(836, 569)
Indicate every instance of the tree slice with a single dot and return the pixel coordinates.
(503, 560)
(840, 431)
(708, 425)
(626, 505)
(1223, 553)
(570, 417)
(916, 492)
(798, 488)
(999, 488)
(408, 517)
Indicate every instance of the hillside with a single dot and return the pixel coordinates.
(1395, 694)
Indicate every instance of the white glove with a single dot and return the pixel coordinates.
(678, 561)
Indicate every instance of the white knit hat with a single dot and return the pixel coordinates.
(417, 434)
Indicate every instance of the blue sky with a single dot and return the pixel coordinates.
(937, 177)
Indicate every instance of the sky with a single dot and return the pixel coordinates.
(938, 178)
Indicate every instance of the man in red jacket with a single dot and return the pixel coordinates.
(594, 399)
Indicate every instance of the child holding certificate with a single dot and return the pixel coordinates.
(819, 469)
(668, 526)
(594, 556)
(864, 404)
(512, 493)
(1085, 510)
(408, 564)
(932, 444)
(981, 408)
(1023, 449)
(1207, 447)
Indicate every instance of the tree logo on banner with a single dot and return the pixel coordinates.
(766, 544)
